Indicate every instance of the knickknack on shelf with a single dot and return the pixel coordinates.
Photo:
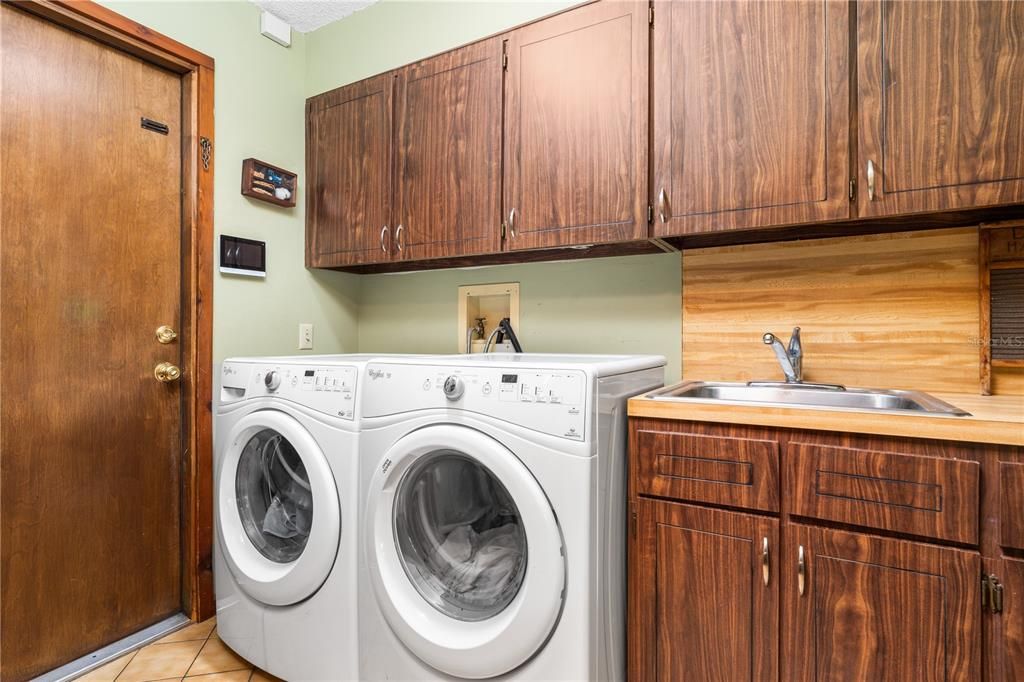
(261, 180)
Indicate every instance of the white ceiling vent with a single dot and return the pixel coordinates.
(308, 15)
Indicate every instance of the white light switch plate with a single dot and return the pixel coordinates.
(305, 336)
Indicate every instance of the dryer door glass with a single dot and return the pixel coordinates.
(275, 501)
(459, 536)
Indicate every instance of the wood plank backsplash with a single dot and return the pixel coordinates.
(885, 311)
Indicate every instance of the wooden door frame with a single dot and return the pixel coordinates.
(196, 333)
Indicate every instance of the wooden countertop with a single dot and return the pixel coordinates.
(994, 419)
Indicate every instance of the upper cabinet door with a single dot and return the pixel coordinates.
(576, 127)
(939, 89)
(751, 114)
(348, 166)
(448, 172)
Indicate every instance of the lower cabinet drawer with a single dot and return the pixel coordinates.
(1011, 504)
(925, 496)
(738, 472)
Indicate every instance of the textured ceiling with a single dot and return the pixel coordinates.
(308, 15)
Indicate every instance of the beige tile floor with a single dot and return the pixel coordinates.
(194, 653)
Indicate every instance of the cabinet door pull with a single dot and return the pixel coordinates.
(765, 562)
(383, 237)
(663, 206)
(801, 571)
(398, 236)
(871, 180)
(512, 223)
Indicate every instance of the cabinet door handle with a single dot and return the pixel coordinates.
(512, 223)
(663, 206)
(398, 236)
(765, 562)
(871, 180)
(801, 571)
(383, 236)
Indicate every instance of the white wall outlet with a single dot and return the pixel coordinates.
(305, 336)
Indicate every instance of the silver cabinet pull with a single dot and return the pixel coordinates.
(383, 236)
(801, 571)
(765, 562)
(398, 236)
(512, 223)
(663, 206)
(871, 180)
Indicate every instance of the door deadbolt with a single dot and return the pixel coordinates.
(165, 334)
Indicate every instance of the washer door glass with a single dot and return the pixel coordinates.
(275, 499)
(459, 536)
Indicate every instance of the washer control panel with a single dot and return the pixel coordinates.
(552, 402)
(331, 390)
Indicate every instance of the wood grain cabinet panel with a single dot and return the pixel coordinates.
(926, 496)
(1011, 505)
(701, 607)
(576, 127)
(878, 609)
(348, 166)
(737, 472)
(751, 114)
(1009, 626)
(939, 100)
(448, 172)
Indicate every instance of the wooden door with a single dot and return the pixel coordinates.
(1007, 627)
(939, 96)
(448, 171)
(703, 605)
(878, 609)
(576, 127)
(751, 114)
(91, 265)
(348, 166)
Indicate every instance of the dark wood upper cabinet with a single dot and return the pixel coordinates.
(348, 167)
(878, 609)
(704, 600)
(576, 127)
(448, 146)
(939, 93)
(751, 114)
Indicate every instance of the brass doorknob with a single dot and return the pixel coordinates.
(166, 372)
(165, 334)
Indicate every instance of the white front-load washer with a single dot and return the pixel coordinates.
(494, 520)
(286, 508)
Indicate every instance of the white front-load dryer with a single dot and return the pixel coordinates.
(493, 536)
(286, 510)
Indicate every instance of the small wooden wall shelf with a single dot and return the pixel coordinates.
(260, 180)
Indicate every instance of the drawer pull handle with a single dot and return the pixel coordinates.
(765, 562)
(383, 237)
(801, 571)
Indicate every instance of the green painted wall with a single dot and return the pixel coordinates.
(259, 110)
(609, 305)
(612, 305)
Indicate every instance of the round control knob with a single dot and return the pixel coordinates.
(272, 380)
(453, 388)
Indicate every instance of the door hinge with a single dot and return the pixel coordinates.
(991, 593)
(634, 523)
(504, 61)
(650, 214)
(650, 15)
(853, 189)
(503, 226)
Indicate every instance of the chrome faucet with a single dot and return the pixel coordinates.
(791, 359)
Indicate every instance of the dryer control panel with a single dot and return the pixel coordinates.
(331, 390)
(549, 401)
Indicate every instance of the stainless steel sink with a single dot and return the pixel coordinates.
(807, 395)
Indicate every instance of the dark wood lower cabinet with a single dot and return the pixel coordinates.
(871, 608)
(703, 604)
(844, 577)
